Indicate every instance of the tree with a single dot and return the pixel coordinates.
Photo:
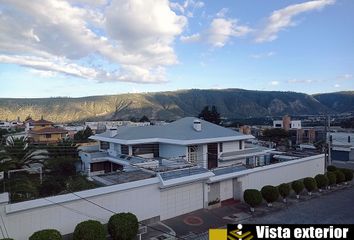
(276, 135)
(18, 154)
(270, 194)
(89, 230)
(87, 133)
(210, 115)
(144, 119)
(123, 226)
(83, 135)
(252, 197)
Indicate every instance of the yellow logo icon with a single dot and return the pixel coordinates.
(239, 235)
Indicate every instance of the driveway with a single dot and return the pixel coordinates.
(328, 208)
(336, 207)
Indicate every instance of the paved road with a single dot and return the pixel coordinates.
(337, 207)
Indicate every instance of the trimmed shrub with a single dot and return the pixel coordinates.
(252, 197)
(331, 178)
(310, 184)
(322, 181)
(284, 190)
(47, 234)
(123, 226)
(340, 177)
(348, 174)
(270, 194)
(331, 168)
(89, 230)
(298, 187)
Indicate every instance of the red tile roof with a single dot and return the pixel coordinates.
(42, 122)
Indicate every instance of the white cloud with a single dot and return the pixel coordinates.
(304, 81)
(219, 33)
(274, 83)
(336, 85)
(134, 36)
(222, 13)
(283, 18)
(191, 38)
(262, 55)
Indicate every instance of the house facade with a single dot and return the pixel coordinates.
(197, 163)
(44, 132)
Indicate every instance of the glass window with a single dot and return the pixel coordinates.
(220, 147)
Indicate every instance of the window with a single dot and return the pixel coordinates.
(48, 136)
(124, 149)
(104, 145)
(220, 147)
(240, 144)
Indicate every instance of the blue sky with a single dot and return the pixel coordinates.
(86, 47)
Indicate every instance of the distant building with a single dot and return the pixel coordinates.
(342, 146)
(101, 126)
(44, 132)
(245, 129)
(286, 123)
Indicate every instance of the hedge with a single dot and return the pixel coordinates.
(331, 168)
(47, 234)
(297, 186)
(252, 197)
(332, 179)
(7, 239)
(270, 193)
(284, 190)
(123, 226)
(89, 230)
(340, 177)
(348, 174)
(321, 180)
(310, 184)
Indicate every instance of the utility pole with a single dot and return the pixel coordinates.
(330, 142)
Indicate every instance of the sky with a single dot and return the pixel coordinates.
(74, 48)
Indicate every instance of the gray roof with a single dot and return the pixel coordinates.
(253, 150)
(181, 129)
(182, 173)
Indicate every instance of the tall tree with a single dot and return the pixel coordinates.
(144, 119)
(212, 115)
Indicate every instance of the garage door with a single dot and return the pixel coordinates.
(180, 200)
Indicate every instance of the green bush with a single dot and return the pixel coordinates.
(47, 234)
(270, 193)
(331, 178)
(284, 190)
(340, 177)
(348, 174)
(310, 184)
(123, 226)
(89, 230)
(322, 181)
(331, 168)
(252, 197)
(297, 186)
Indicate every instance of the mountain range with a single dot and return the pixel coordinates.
(231, 103)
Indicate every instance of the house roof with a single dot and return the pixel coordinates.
(48, 130)
(177, 132)
(41, 122)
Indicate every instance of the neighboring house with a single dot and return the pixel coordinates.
(44, 132)
(197, 163)
(342, 146)
(287, 124)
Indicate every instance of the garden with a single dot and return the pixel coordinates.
(121, 226)
(333, 179)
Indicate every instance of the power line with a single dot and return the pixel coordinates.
(111, 211)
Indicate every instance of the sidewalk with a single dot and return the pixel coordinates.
(195, 225)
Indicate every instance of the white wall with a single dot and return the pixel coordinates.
(22, 219)
(226, 189)
(276, 174)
